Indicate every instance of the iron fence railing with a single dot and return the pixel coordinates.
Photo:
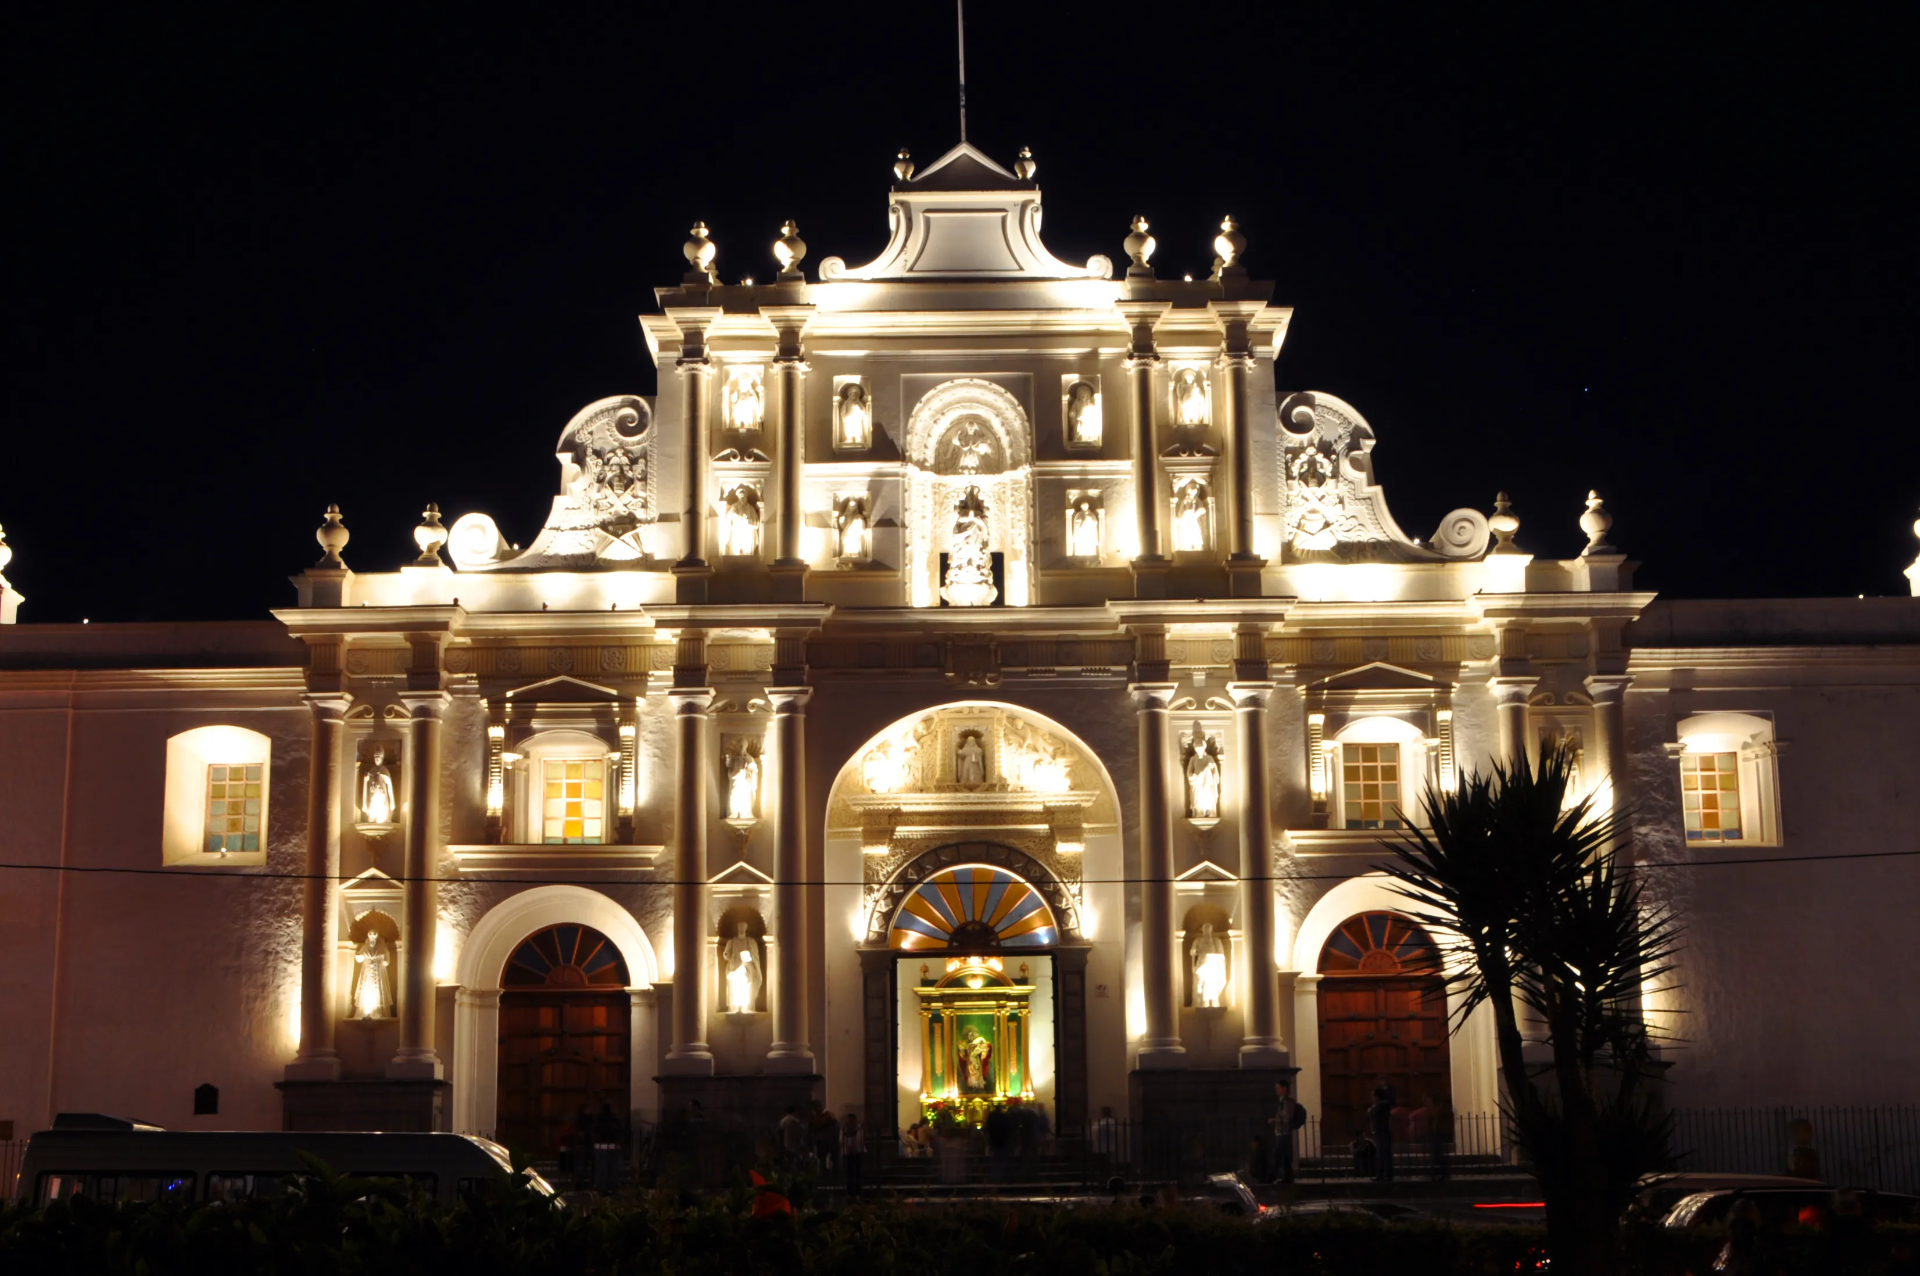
(1852, 1146)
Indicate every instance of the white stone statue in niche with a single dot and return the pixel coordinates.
(856, 417)
(740, 959)
(372, 978)
(1083, 415)
(743, 782)
(1202, 765)
(740, 521)
(969, 580)
(1209, 968)
(745, 406)
(376, 790)
(969, 759)
(971, 445)
(1083, 530)
(850, 529)
(1190, 397)
(1190, 515)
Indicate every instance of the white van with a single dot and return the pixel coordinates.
(116, 1160)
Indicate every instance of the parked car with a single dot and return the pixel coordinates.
(118, 1160)
(1655, 1195)
(1385, 1211)
(1784, 1207)
(1226, 1194)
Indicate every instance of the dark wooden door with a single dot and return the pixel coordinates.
(564, 1036)
(1383, 1017)
(560, 1052)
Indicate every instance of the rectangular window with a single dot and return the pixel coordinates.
(233, 807)
(1370, 785)
(574, 810)
(1710, 793)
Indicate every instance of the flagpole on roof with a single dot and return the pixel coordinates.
(960, 13)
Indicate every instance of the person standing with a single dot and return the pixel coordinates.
(853, 1154)
(1381, 1112)
(1288, 1116)
(793, 1138)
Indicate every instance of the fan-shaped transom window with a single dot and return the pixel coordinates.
(565, 957)
(1379, 944)
(974, 907)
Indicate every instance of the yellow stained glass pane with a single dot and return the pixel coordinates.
(571, 829)
(573, 770)
(593, 788)
(553, 790)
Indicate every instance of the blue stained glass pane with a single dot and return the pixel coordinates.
(216, 807)
(250, 842)
(213, 842)
(253, 772)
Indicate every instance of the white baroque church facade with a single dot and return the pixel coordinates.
(969, 678)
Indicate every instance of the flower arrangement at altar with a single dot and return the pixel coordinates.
(963, 1115)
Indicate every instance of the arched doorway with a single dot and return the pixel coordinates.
(565, 1035)
(1382, 1018)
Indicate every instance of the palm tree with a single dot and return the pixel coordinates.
(1531, 898)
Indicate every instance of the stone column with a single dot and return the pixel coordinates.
(790, 366)
(1262, 1045)
(1161, 1047)
(698, 386)
(1609, 752)
(420, 904)
(689, 1055)
(1150, 564)
(1233, 382)
(320, 901)
(1510, 703)
(790, 1051)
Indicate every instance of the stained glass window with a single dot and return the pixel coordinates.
(1371, 785)
(574, 809)
(974, 907)
(1710, 792)
(234, 807)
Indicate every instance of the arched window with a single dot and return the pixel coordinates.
(216, 797)
(1381, 945)
(563, 789)
(565, 957)
(1729, 779)
(974, 907)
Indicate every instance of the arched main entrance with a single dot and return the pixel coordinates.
(565, 1035)
(1382, 1019)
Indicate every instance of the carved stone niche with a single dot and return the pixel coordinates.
(1082, 424)
(742, 765)
(853, 423)
(852, 528)
(1192, 510)
(1084, 533)
(376, 784)
(743, 402)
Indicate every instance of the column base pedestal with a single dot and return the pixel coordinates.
(1150, 576)
(789, 580)
(694, 1062)
(1161, 1057)
(415, 1065)
(1243, 576)
(398, 1106)
(315, 1067)
(1264, 1054)
(691, 580)
(794, 1062)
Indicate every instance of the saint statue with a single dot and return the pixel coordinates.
(376, 790)
(1190, 516)
(1083, 415)
(743, 784)
(974, 1051)
(1203, 776)
(856, 419)
(1083, 531)
(851, 529)
(744, 404)
(969, 581)
(740, 526)
(970, 759)
(1190, 397)
(972, 445)
(372, 966)
(1209, 968)
(740, 958)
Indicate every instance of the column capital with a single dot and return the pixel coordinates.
(789, 699)
(1251, 694)
(426, 704)
(690, 701)
(1608, 688)
(328, 706)
(1511, 690)
(1152, 695)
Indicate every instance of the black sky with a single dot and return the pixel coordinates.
(268, 257)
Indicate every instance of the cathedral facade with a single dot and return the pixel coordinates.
(969, 679)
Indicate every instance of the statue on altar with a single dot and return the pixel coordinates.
(1209, 968)
(740, 960)
(969, 581)
(974, 1051)
(372, 978)
(376, 790)
(1202, 756)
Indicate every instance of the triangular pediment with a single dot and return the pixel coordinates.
(964, 168)
(1204, 872)
(740, 873)
(1378, 676)
(564, 690)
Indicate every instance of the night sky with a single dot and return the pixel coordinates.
(268, 257)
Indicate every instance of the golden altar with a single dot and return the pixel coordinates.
(973, 1035)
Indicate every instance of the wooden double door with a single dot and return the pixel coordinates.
(560, 1052)
(1374, 1029)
